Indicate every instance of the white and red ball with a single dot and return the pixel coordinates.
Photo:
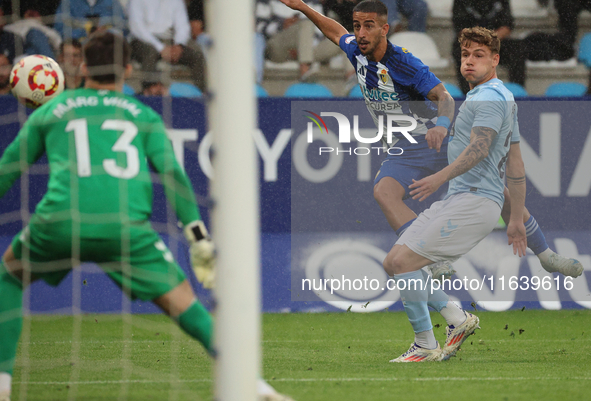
(36, 79)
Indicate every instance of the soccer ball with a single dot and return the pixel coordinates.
(36, 79)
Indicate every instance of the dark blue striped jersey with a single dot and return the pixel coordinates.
(398, 84)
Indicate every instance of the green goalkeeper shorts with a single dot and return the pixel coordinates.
(135, 258)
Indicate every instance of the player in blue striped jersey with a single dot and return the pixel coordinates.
(393, 81)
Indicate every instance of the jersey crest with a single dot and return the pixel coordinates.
(384, 76)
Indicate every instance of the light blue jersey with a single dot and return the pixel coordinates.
(488, 105)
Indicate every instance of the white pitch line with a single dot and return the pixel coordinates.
(140, 381)
(188, 340)
(326, 379)
(420, 379)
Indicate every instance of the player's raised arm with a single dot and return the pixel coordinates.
(329, 27)
(179, 192)
(480, 141)
(445, 114)
(515, 171)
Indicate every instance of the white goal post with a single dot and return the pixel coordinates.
(235, 214)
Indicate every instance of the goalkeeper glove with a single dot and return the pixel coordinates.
(202, 252)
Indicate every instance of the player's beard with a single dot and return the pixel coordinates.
(371, 48)
(4, 82)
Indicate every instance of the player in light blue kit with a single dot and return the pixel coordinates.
(484, 142)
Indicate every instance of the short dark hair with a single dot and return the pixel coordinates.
(70, 42)
(372, 6)
(149, 84)
(481, 36)
(106, 55)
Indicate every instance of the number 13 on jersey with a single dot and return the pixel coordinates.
(123, 144)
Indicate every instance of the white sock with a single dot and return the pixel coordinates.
(543, 256)
(263, 388)
(5, 382)
(426, 339)
(453, 314)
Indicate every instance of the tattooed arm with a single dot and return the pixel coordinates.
(480, 140)
(516, 185)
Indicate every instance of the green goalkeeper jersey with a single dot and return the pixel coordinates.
(98, 144)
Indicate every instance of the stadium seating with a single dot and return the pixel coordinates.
(422, 46)
(516, 89)
(128, 90)
(355, 92)
(261, 92)
(302, 89)
(566, 89)
(440, 8)
(584, 55)
(183, 89)
(454, 90)
(528, 9)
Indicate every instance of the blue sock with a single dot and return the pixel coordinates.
(437, 299)
(414, 298)
(535, 237)
(403, 228)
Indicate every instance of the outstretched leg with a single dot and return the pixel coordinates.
(389, 194)
(536, 241)
(11, 318)
(181, 304)
(405, 265)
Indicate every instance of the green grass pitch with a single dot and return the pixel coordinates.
(518, 355)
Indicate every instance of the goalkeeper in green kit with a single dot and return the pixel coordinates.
(99, 200)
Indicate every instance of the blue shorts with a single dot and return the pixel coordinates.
(417, 161)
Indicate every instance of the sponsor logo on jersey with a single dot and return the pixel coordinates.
(379, 95)
(349, 39)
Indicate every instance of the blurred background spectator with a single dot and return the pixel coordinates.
(568, 18)
(70, 58)
(342, 11)
(46, 8)
(77, 19)
(37, 37)
(197, 22)
(5, 68)
(154, 88)
(543, 46)
(291, 36)
(7, 40)
(263, 16)
(415, 11)
(495, 15)
(160, 29)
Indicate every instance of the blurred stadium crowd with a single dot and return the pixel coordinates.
(546, 44)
